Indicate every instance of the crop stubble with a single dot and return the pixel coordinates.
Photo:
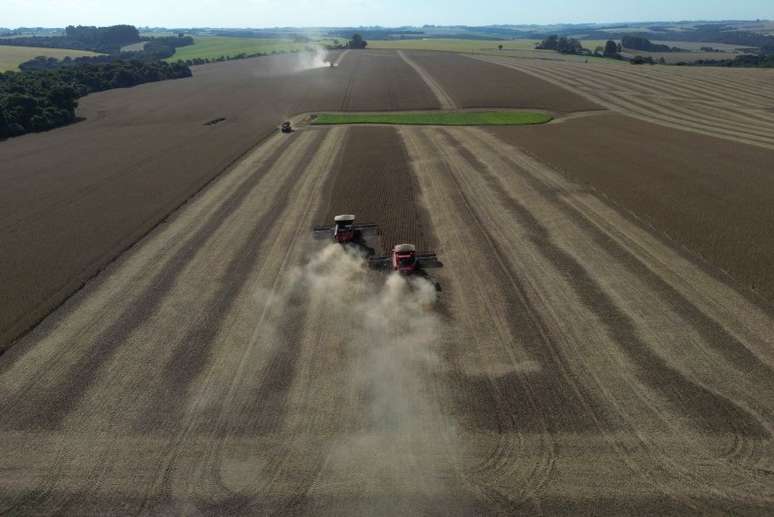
(584, 365)
(725, 103)
(74, 198)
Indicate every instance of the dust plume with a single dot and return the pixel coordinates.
(392, 336)
(314, 57)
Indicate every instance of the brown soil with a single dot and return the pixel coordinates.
(73, 198)
(472, 83)
(710, 196)
(381, 79)
(373, 181)
(570, 344)
(576, 362)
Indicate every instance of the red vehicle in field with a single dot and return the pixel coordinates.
(345, 231)
(405, 260)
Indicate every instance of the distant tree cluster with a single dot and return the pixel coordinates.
(45, 99)
(644, 44)
(155, 49)
(96, 39)
(639, 60)
(107, 40)
(743, 61)
(562, 44)
(611, 50)
(357, 42)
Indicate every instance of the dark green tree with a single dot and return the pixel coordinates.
(611, 49)
(357, 41)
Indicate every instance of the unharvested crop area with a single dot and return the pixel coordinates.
(576, 359)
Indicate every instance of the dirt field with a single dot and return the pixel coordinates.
(578, 358)
(474, 84)
(711, 196)
(73, 198)
(573, 363)
(734, 104)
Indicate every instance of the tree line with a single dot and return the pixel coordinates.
(563, 45)
(106, 40)
(45, 99)
(97, 39)
(644, 44)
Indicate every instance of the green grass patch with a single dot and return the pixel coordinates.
(11, 57)
(212, 47)
(457, 118)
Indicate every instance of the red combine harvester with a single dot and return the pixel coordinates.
(345, 231)
(405, 260)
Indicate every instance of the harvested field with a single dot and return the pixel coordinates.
(715, 101)
(711, 196)
(474, 84)
(73, 198)
(573, 362)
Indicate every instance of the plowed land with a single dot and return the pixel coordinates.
(473, 83)
(575, 360)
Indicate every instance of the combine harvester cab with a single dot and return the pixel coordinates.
(345, 231)
(405, 260)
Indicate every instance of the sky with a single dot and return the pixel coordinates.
(388, 13)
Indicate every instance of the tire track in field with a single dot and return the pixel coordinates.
(708, 330)
(654, 108)
(560, 361)
(593, 82)
(117, 409)
(46, 405)
(625, 81)
(657, 467)
(559, 303)
(263, 350)
(684, 104)
(488, 367)
(187, 361)
(444, 99)
(265, 408)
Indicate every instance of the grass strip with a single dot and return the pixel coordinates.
(457, 118)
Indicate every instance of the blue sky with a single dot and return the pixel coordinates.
(300, 13)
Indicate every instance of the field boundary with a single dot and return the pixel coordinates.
(471, 117)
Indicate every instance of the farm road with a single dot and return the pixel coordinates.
(572, 364)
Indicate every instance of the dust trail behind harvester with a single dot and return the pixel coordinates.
(316, 58)
(389, 454)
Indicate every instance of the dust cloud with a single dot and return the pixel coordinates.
(391, 337)
(317, 57)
